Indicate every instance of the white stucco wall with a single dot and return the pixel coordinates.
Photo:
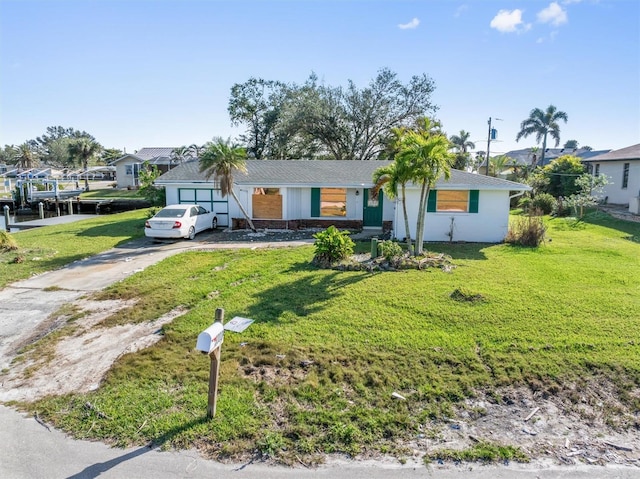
(613, 191)
(122, 179)
(489, 225)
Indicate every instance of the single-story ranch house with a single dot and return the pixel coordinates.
(622, 168)
(295, 194)
(128, 166)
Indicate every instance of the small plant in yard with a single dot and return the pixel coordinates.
(543, 202)
(7, 243)
(271, 444)
(527, 231)
(332, 246)
(390, 249)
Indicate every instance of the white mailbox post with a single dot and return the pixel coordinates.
(210, 342)
(211, 338)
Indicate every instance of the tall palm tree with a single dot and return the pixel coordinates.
(461, 144)
(543, 123)
(427, 152)
(180, 155)
(83, 149)
(394, 176)
(24, 155)
(220, 159)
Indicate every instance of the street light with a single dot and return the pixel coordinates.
(492, 135)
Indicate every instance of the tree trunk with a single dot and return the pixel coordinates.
(544, 148)
(86, 175)
(407, 230)
(422, 209)
(244, 212)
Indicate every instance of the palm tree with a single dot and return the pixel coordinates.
(462, 145)
(394, 176)
(180, 155)
(427, 152)
(84, 149)
(24, 155)
(543, 123)
(220, 158)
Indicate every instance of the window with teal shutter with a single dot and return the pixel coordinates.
(431, 201)
(315, 202)
(474, 199)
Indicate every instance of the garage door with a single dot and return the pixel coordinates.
(209, 198)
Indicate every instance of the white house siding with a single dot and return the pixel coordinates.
(613, 170)
(489, 225)
(124, 180)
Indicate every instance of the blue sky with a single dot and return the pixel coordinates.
(143, 73)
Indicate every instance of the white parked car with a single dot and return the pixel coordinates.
(180, 221)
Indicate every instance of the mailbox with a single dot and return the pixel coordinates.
(211, 338)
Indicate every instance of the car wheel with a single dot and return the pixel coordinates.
(214, 223)
(192, 233)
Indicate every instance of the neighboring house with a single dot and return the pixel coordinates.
(526, 157)
(295, 194)
(128, 166)
(622, 168)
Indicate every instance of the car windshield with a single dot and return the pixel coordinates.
(171, 213)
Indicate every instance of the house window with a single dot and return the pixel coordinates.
(625, 175)
(457, 201)
(597, 173)
(328, 202)
(333, 202)
(453, 201)
(267, 203)
(128, 169)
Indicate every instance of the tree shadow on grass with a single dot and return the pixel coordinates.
(306, 294)
(473, 251)
(630, 228)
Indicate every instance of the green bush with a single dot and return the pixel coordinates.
(390, 249)
(543, 202)
(332, 246)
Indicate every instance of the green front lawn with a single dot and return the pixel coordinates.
(111, 193)
(315, 372)
(52, 247)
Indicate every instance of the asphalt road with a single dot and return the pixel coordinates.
(29, 450)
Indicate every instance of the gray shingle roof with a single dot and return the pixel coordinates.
(326, 173)
(159, 156)
(629, 153)
(524, 157)
(148, 154)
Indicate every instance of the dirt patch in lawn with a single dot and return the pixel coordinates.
(77, 360)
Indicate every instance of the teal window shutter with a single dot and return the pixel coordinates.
(315, 202)
(474, 199)
(431, 201)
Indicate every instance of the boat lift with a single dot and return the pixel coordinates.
(28, 191)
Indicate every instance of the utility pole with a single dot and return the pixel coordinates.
(490, 136)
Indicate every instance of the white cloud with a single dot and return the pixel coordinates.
(409, 26)
(553, 14)
(460, 10)
(507, 21)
